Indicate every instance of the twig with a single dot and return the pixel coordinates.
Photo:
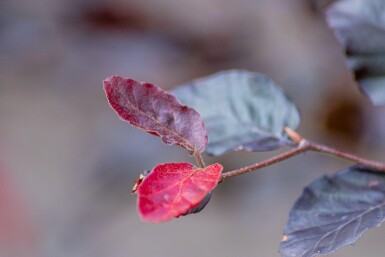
(297, 150)
(302, 146)
(347, 156)
(313, 146)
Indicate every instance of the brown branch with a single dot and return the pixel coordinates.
(302, 146)
(297, 150)
(347, 156)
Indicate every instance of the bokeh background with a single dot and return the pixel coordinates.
(67, 163)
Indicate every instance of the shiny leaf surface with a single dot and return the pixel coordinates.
(156, 111)
(242, 111)
(334, 211)
(173, 189)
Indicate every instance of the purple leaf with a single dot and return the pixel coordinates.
(359, 26)
(334, 211)
(242, 110)
(157, 112)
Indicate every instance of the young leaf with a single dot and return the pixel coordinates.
(334, 211)
(360, 27)
(156, 111)
(242, 111)
(173, 189)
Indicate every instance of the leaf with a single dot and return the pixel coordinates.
(360, 27)
(334, 211)
(202, 204)
(173, 189)
(370, 72)
(320, 4)
(156, 111)
(242, 111)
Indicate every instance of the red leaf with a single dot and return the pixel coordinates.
(172, 189)
(156, 111)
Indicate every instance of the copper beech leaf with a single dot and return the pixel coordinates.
(156, 111)
(359, 26)
(334, 211)
(173, 189)
(242, 111)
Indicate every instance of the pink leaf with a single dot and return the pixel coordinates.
(172, 189)
(156, 111)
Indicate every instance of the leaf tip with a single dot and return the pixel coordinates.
(107, 81)
(108, 85)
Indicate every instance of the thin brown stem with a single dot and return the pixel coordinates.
(199, 159)
(297, 150)
(312, 146)
(302, 146)
(347, 156)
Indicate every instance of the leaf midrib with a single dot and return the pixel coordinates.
(191, 147)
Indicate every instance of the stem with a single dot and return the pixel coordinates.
(199, 159)
(302, 146)
(297, 150)
(347, 156)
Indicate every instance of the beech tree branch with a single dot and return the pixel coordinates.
(302, 146)
(347, 156)
(286, 155)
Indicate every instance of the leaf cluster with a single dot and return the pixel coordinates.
(242, 110)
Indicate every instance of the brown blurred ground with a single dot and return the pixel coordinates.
(70, 162)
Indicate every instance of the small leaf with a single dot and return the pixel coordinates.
(156, 111)
(334, 211)
(173, 189)
(360, 28)
(242, 111)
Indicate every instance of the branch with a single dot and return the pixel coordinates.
(286, 155)
(302, 146)
(347, 156)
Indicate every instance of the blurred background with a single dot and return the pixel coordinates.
(67, 163)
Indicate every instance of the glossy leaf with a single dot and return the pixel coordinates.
(360, 27)
(173, 189)
(334, 211)
(242, 111)
(156, 111)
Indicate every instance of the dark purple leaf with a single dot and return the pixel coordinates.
(334, 211)
(156, 111)
(360, 27)
(242, 111)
